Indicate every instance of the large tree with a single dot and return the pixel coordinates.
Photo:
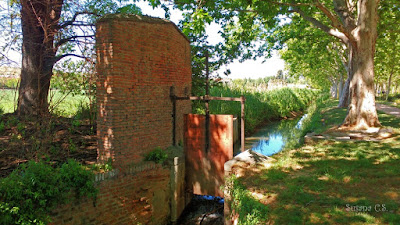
(50, 31)
(387, 57)
(354, 23)
(311, 54)
(40, 20)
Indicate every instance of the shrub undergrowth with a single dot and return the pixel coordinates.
(31, 192)
(158, 155)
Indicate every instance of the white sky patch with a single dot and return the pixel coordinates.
(248, 69)
(253, 68)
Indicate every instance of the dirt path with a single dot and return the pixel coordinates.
(388, 109)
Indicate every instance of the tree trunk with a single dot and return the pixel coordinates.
(344, 97)
(389, 83)
(341, 85)
(334, 89)
(39, 20)
(362, 111)
(344, 85)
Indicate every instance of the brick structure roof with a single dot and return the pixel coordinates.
(140, 18)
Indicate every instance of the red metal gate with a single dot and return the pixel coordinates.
(205, 168)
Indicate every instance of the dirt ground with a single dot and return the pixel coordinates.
(388, 109)
(51, 139)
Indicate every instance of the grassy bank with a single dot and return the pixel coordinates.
(331, 182)
(260, 106)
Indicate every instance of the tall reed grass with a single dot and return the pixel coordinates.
(66, 105)
(260, 106)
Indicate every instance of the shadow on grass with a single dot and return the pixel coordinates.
(333, 116)
(331, 182)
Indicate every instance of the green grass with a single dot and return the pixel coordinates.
(393, 100)
(260, 106)
(395, 103)
(60, 104)
(8, 99)
(330, 182)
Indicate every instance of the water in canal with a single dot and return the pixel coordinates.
(275, 136)
(271, 139)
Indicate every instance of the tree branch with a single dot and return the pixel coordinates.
(333, 18)
(71, 22)
(322, 26)
(82, 24)
(65, 40)
(342, 10)
(59, 57)
(291, 4)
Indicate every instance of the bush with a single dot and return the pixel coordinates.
(31, 192)
(158, 155)
(9, 83)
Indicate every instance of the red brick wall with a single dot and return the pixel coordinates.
(141, 197)
(138, 59)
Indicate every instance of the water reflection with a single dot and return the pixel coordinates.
(269, 146)
(275, 136)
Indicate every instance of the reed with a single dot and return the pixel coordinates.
(260, 107)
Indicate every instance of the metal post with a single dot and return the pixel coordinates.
(243, 99)
(207, 147)
(173, 99)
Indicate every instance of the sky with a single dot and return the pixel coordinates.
(248, 69)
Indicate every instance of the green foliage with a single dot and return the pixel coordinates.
(78, 179)
(158, 155)
(12, 83)
(2, 126)
(8, 100)
(72, 147)
(32, 191)
(259, 106)
(129, 9)
(69, 105)
(313, 123)
(76, 123)
(86, 111)
(20, 126)
(103, 167)
(66, 105)
(320, 62)
(387, 68)
(313, 184)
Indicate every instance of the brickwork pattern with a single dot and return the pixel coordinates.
(138, 63)
(138, 59)
(139, 197)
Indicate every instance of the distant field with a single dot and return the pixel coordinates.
(60, 104)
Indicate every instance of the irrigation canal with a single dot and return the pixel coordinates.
(268, 140)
